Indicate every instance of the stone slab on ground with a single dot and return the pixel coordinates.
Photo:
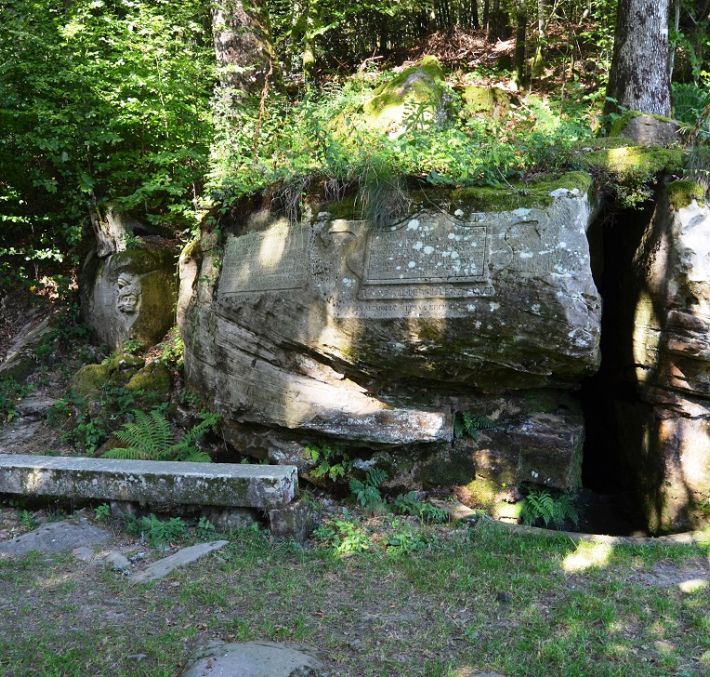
(252, 659)
(53, 538)
(164, 482)
(167, 565)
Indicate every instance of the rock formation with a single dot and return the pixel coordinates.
(130, 294)
(665, 427)
(383, 338)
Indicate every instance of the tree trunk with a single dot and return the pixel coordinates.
(639, 71)
(474, 14)
(521, 21)
(242, 43)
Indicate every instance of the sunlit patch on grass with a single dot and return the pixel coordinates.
(588, 556)
(693, 585)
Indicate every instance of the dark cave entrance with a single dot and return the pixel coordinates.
(608, 502)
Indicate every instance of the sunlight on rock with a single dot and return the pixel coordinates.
(33, 481)
(646, 335)
(274, 244)
(587, 556)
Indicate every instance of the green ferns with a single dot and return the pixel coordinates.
(541, 506)
(468, 425)
(150, 438)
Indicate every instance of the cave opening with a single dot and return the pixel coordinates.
(608, 502)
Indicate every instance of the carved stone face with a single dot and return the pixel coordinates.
(127, 294)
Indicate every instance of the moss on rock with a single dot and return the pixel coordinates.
(117, 369)
(421, 86)
(621, 123)
(682, 193)
(482, 100)
(634, 161)
(89, 379)
(153, 378)
(535, 194)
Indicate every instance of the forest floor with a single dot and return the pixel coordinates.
(414, 600)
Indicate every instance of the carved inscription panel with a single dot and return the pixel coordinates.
(423, 257)
(273, 260)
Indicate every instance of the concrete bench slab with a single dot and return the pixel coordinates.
(229, 485)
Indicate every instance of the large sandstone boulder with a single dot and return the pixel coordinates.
(666, 434)
(378, 337)
(130, 294)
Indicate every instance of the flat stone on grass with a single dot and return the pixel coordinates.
(252, 659)
(53, 538)
(167, 565)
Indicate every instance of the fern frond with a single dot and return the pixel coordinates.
(127, 453)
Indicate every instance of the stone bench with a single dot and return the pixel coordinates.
(270, 488)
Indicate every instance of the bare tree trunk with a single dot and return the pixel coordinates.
(639, 72)
(521, 21)
(676, 25)
(474, 14)
(242, 43)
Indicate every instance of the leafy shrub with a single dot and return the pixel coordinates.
(331, 463)
(541, 506)
(150, 437)
(367, 492)
(10, 393)
(102, 512)
(157, 532)
(689, 101)
(404, 540)
(343, 536)
(205, 529)
(409, 504)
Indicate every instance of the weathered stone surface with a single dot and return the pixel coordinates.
(54, 537)
(112, 229)
(164, 567)
(360, 333)
(35, 407)
(130, 295)
(648, 130)
(667, 432)
(117, 562)
(293, 521)
(18, 359)
(161, 482)
(229, 519)
(252, 659)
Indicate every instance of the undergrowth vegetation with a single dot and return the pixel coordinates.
(317, 140)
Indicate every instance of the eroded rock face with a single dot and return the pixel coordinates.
(667, 434)
(375, 336)
(130, 295)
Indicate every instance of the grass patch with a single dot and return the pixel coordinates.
(434, 609)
